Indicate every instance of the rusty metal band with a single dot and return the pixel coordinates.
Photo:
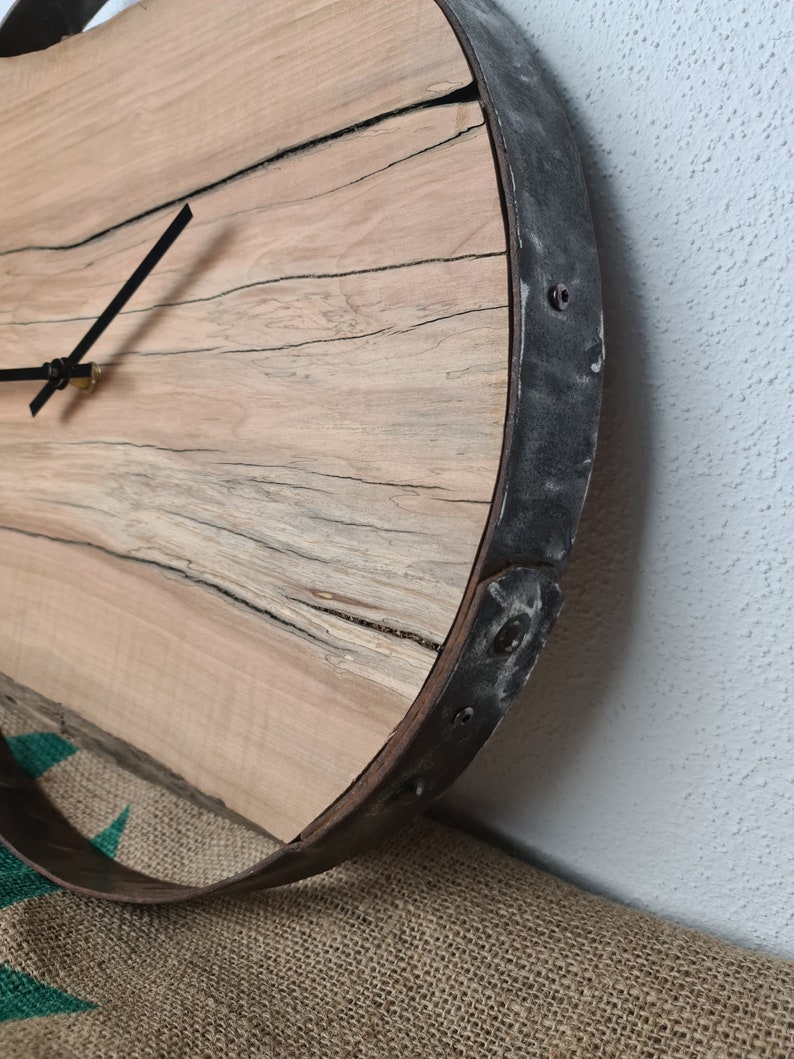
(513, 596)
(32, 25)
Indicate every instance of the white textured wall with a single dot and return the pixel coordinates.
(652, 755)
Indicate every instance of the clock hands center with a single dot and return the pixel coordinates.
(66, 371)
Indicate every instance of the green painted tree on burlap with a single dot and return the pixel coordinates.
(22, 996)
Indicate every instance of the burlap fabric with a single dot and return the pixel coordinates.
(433, 946)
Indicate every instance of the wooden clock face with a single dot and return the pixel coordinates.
(244, 552)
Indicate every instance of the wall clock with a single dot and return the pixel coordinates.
(302, 545)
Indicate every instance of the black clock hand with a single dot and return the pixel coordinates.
(166, 240)
(50, 370)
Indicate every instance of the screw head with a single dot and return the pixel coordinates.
(510, 636)
(410, 792)
(560, 297)
(463, 716)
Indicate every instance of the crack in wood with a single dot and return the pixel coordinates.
(133, 445)
(405, 487)
(265, 349)
(320, 341)
(367, 481)
(363, 525)
(274, 281)
(306, 277)
(166, 568)
(452, 316)
(396, 162)
(220, 528)
(324, 474)
(400, 634)
(467, 94)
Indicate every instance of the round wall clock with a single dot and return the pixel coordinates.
(303, 297)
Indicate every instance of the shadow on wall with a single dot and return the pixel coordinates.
(533, 752)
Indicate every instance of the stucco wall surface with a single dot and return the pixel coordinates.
(652, 755)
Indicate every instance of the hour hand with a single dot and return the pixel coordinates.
(85, 376)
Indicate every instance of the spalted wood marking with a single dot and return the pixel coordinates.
(243, 553)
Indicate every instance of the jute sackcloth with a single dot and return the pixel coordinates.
(433, 946)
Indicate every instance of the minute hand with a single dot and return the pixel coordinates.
(166, 240)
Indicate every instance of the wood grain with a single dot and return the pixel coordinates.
(243, 553)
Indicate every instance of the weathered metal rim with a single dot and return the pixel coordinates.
(513, 595)
(33, 25)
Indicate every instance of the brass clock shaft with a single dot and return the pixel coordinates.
(87, 383)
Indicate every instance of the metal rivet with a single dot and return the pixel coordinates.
(560, 297)
(463, 716)
(410, 792)
(510, 636)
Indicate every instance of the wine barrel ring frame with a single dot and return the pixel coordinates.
(302, 546)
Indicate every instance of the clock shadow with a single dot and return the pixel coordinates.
(174, 297)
